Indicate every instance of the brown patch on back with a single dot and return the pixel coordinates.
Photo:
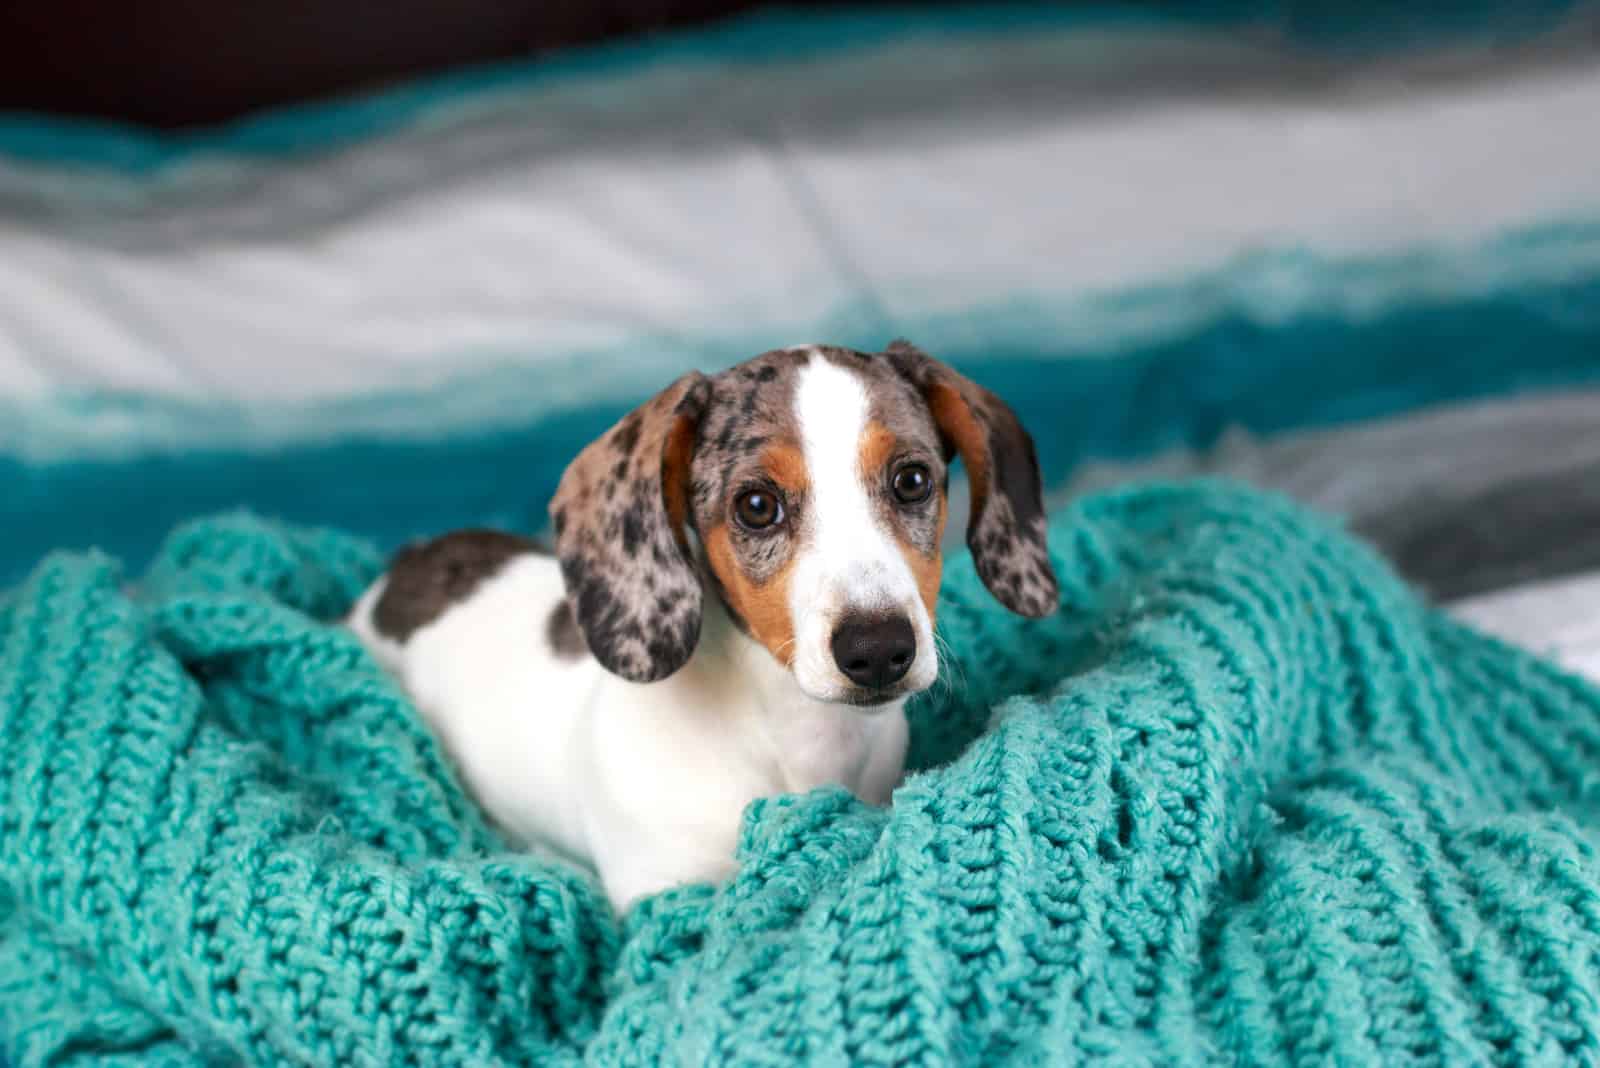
(764, 606)
(426, 580)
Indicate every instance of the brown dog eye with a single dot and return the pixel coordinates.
(758, 509)
(912, 484)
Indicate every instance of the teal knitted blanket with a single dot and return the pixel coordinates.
(1243, 800)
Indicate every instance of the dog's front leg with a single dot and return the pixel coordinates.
(636, 859)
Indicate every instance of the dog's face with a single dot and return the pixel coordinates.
(807, 489)
(818, 494)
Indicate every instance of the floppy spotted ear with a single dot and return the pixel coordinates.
(619, 516)
(1006, 529)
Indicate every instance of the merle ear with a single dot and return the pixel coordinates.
(1006, 530)
(620, 516)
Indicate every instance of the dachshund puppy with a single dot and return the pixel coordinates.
(740, 599)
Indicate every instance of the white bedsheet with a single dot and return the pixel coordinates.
(1559, 619)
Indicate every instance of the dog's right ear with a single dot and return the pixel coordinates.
(620, 516)
(1006, 532)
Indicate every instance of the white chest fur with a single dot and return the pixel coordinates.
(646, 782)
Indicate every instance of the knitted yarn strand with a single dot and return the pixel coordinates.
(1245, 800)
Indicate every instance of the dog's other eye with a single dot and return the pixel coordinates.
(912, 483)
(758, 509)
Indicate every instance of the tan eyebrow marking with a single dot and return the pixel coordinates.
(877, 446)
(786, 465)
(927, 568)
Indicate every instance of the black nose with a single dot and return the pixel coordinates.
(874, 653)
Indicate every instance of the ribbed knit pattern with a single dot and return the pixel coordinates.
(1243, 800)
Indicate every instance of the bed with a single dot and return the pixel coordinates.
(1350, 258)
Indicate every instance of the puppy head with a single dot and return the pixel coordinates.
(808, 486)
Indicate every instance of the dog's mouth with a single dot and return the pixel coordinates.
(866, 699)
(870, 699)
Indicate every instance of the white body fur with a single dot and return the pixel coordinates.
(649, 782)
(646, 782)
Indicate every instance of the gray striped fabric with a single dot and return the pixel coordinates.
(1463, 499)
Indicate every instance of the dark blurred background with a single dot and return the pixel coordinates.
(174, 63)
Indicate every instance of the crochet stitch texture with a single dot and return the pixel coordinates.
(1244, 800)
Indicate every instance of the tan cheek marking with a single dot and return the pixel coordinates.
(786, 465)
(927, 569)
(763, 606)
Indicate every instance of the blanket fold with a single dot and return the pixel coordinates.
(1244, 799)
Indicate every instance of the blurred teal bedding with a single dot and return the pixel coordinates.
(405, 313)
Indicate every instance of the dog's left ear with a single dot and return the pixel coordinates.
(1006, 529)
(621, 524)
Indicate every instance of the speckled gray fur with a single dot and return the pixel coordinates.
(635, 589)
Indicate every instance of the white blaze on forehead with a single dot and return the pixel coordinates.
(849, 556)
(848, 559)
